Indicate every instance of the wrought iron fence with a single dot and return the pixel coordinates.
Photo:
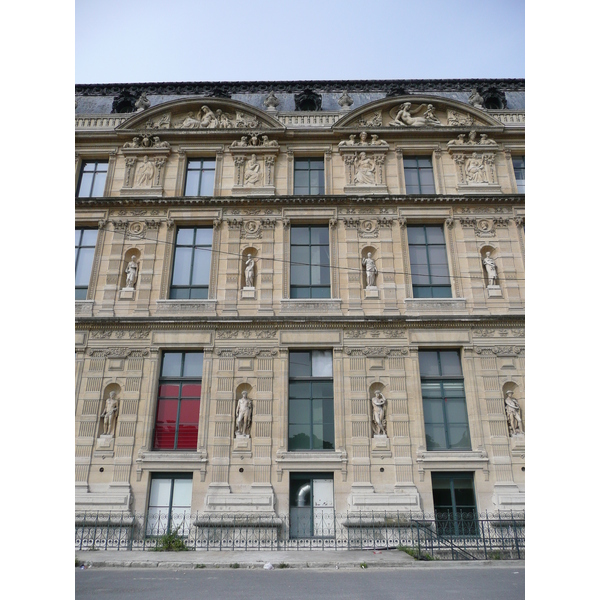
(466, 536)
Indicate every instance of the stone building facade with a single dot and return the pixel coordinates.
(293, 295)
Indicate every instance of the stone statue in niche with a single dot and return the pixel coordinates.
(490, 267)
(252, 175)
(249, 271)
(405, 116)
(513, 414)
(475, 169)
(109, 414)
(145, 173)
(243, 416)
(371, 269)
(379, 422)
(365, 170)
(475, 99)
(132, 273)
(142, 103)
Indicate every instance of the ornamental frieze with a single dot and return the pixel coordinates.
(117, 352)
(107, 334)
(229, 334)
(500, 350)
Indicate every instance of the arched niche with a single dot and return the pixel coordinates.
(363, 254)
(127, 257)
(253, 252)
(511, 386)
(494, 255)
(376, 386)
(111, 387)
(242, 387)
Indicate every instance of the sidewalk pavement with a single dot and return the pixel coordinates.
(256, 559)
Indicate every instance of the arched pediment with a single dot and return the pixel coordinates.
(201, 114)
(416, 111)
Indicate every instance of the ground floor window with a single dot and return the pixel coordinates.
(169, 507)
(454, 504)
(311, 505)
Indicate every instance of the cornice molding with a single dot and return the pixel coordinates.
(293, 87)
(337, 199)
(98, 324)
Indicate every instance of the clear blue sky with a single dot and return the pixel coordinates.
(119, 41)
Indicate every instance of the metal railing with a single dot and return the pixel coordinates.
(467, 536)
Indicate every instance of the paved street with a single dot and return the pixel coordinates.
(438, 582)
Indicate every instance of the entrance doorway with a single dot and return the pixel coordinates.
(454, 504)
(311, 505)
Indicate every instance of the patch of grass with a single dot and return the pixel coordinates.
(283, 565)
(234, 566)
(78, 563)
(364, 565)
(170, 542)
(495, 555)
(199, 566)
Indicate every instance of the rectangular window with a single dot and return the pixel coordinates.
(519, 168)
(418, 174)
(444, 403)
(85, 246)
(178, 406)
(311, 505)
(191, 267)
(92, 179)
(169, 507)
(311, 400)
(200, 177)
(428, 262)
(454, 504)
(309, 176)
(309, 269)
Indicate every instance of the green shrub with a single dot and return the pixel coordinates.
(282, 565)
(170, 542)
(234, 566)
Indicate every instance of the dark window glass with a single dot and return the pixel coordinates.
(200, 177)
(309, 176)
(92, 179)
(519, 168)
(191, 266)
(454, 504)
(428, 262)
(85, 246)
(444, 404)
(309, 268)
(310, 417)
(178, 406)
(169, 504)
(418, 174)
